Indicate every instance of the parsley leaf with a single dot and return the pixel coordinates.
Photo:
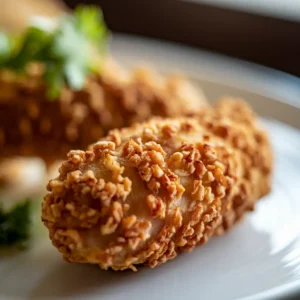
(33, 45)
(5, 47)
(87, 20)
(54, 78)
(66, 50)
(15, 225)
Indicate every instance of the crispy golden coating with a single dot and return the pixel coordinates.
(33, 125)
(235, 122)
(144, 194)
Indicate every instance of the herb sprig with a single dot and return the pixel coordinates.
(66, 48)
(15, 225)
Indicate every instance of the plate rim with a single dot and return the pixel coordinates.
(274, 78)
(286, 86)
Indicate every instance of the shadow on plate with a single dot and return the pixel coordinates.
(70, 280)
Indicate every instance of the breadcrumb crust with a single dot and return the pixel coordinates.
(32, 125)
(145, 193)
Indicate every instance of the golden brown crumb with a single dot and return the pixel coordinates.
(146, 193)
(33, 125)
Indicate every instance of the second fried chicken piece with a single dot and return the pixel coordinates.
(33, 125)
(143, 194)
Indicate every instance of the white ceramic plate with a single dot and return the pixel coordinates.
(258, 259)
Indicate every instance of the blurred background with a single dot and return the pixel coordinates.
(261, 31)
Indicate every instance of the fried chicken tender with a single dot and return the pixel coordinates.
(33, 125)
(145, 193)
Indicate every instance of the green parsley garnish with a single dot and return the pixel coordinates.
(66, 48)
(15, 225)
(21, 225)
